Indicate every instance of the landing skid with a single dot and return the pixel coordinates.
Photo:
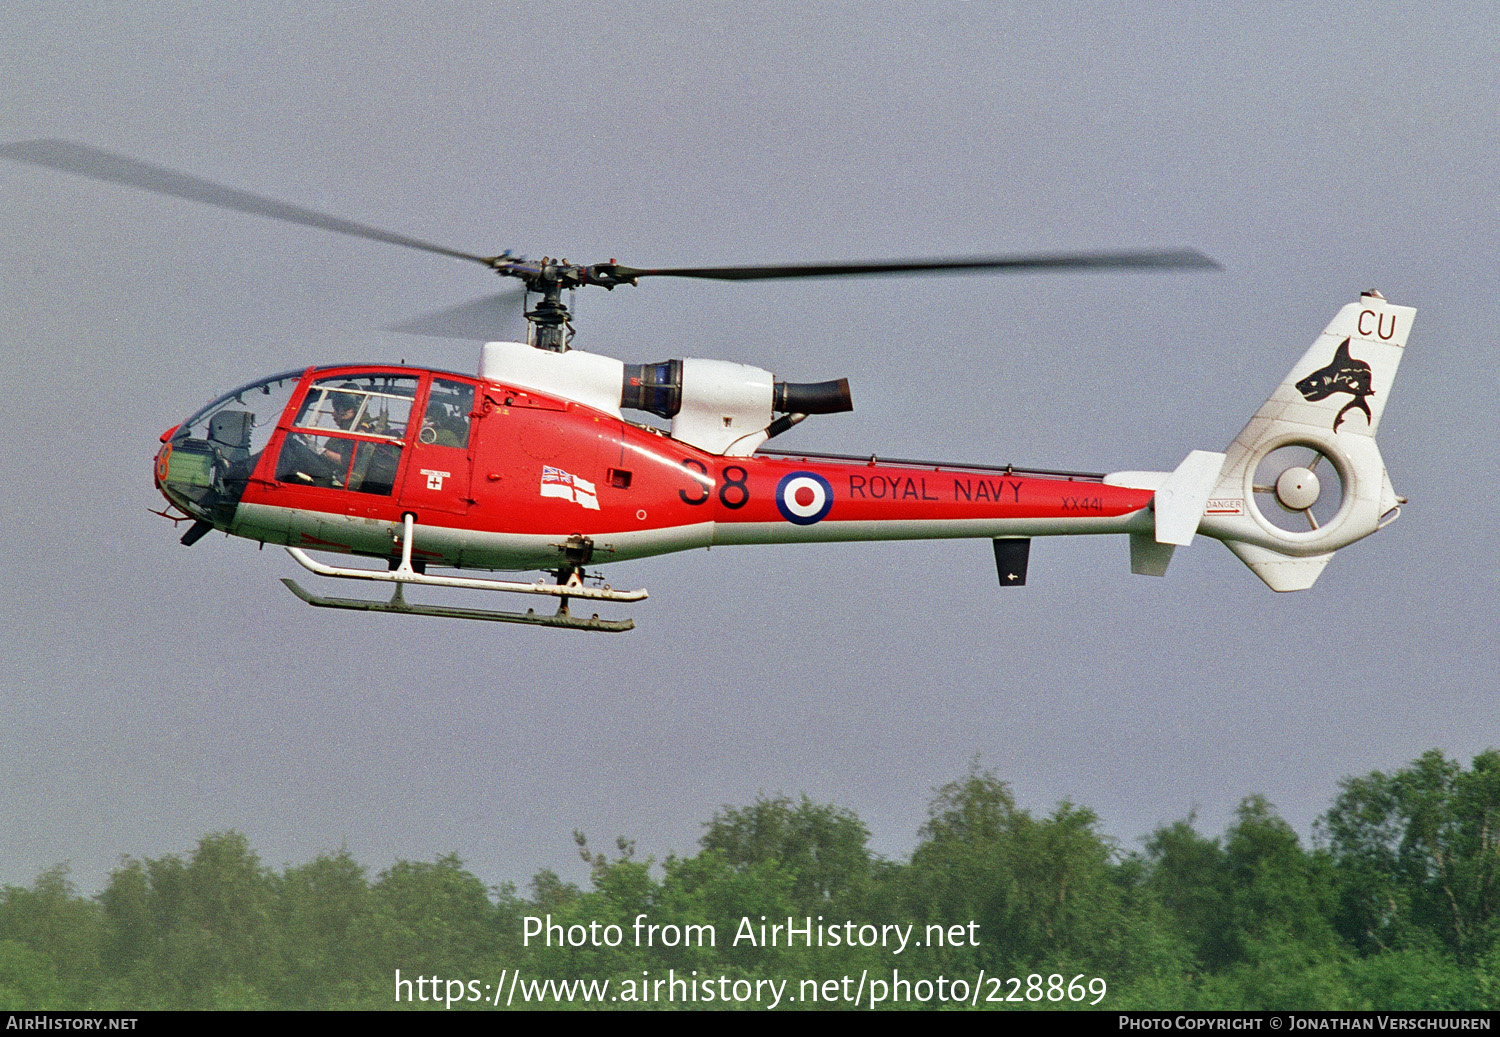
(398, 604)
(570, 585)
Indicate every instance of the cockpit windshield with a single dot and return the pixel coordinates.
(348, 433)
(208, 462)
(244, 418)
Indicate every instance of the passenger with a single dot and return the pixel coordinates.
(445, 430)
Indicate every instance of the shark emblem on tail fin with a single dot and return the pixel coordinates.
(1343, 374)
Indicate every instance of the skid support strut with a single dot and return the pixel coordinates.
(570, 585)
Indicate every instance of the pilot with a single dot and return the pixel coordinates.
(345, 404)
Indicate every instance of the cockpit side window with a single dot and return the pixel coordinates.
(370, 405)
(348, 433)
(446, 421)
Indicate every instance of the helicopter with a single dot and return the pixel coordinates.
(545, 459)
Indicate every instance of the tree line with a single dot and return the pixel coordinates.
(1395, 905)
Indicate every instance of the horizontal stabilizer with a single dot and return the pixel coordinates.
(1180, 500)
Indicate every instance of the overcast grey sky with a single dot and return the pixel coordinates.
(152, 693)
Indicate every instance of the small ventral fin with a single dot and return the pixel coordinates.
(1280, 572)
(1147, 556)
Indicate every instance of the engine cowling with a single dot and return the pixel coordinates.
(717, 406)
(722, 407)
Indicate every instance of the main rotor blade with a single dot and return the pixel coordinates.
(98, 164)
(482, 320)
(1165, 259)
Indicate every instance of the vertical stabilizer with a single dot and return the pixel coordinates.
(1304, 478)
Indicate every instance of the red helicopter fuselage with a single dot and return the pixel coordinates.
(500, 477)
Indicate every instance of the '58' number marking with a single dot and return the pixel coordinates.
(734, 493)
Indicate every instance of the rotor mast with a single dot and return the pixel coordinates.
(550, 321)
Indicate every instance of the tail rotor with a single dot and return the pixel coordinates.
(1297, 488)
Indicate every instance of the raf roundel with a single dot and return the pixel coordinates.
(804, 498)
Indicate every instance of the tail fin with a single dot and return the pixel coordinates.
(1305, 478)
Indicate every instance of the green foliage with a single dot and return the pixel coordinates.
(429, 918)
(822, 847)
(54, 939)
(28, 979)
(1417, 855)
(1418, 979)
(185, 932)
(1278, 894)
(1047, 894)
(1396, 909)
(708, 889)
(1188, 874)
(324, 914)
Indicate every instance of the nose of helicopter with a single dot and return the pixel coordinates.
(184, 475)
(204, 464)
